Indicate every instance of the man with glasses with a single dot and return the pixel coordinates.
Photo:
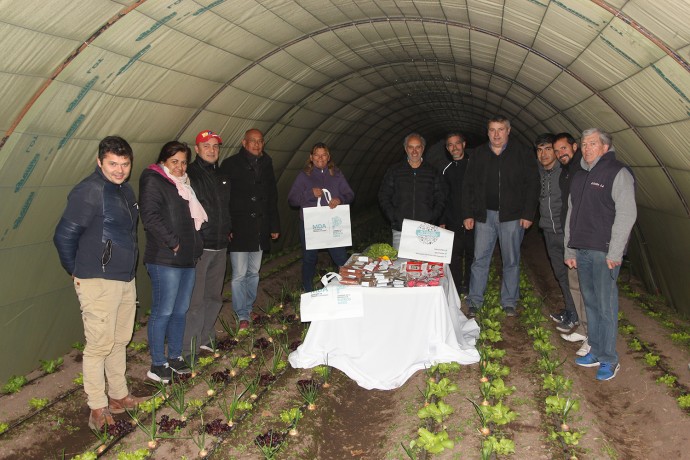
(213, 192)
(255, 220)
(96, 240)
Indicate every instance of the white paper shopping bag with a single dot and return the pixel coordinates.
(332, 302)
(422, 241)
(325, 227)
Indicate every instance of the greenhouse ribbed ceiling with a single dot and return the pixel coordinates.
(356, 75)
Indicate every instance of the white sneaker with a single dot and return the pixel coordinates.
(584, 349)
(574, 337)
(206, 348)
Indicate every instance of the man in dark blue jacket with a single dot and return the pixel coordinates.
(96, 240)
(499, 200)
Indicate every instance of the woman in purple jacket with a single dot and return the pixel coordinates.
(319, 173)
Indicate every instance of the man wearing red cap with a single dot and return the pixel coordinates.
(213, 191)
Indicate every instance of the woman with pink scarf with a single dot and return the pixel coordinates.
(172, 216)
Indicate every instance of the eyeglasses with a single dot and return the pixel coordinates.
(255, 141)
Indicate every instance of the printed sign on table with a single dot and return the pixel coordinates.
(332, 302)
(422, 241)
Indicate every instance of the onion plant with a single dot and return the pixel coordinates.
(230, 409)
(291, 417)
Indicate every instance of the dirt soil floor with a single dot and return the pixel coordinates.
(629, 417)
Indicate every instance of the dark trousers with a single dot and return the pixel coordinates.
(206, 301)
(556, 250)
(311, 256)
(461, 258)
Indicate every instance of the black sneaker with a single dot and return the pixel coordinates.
(510, 311)
(559, 317)
(472, 312)
(566, 326)
(163, 374)
(178, 365)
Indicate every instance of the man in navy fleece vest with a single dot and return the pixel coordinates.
(600, 217)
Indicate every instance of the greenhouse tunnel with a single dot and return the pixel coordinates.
(357, 75)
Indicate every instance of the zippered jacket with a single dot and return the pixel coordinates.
(97, 234)
(167, 221)
(302, 195)
(567, 173)
(518, 184)
(212, 190)
(412, 193)
(253, 201)
(454, 177)
(603, 209)
(550, 205)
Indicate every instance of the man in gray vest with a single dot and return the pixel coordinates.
(600, 217)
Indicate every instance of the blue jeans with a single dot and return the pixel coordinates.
(172, 289)
(600, 294)
(311, 256)
(245, 281)
(509, 235)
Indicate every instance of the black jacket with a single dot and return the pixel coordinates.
(566, 177)
(518, 184)
(409, 193)
(213, 192)
(253, 201)
(454, 177)
(167, 221)
(97, 234)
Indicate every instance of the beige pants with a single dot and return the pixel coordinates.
(574, 285)
(107, 310)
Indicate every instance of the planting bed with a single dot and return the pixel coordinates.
(630, 417)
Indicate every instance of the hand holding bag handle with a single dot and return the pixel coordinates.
(326, 195)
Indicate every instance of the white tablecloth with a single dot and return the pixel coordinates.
(403, 330)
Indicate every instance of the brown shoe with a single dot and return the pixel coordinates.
(100, 417)
(129, 402)
(244, 324)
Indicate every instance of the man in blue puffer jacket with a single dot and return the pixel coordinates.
(96, 240)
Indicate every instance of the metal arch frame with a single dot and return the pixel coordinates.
(498, 36)
(602, 4)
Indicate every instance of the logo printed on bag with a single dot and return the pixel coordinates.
(319, 228)
(427, 234)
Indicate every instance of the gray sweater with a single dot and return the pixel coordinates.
(550, 199)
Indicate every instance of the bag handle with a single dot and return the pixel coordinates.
(326, 194)
(330, 276)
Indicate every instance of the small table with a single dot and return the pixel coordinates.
(403, 330)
